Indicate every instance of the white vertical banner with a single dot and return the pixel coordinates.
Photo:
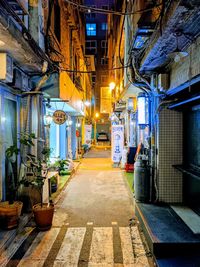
(117, 142)
(88, 133)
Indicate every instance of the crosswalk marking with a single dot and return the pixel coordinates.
(38, 251)
(69, 252)
(101, 248)
(126, 244)
(101, 253)
(7, 254)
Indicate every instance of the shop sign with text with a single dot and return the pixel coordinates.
(59, 117)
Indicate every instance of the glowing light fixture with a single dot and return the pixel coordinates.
(87, 103)
(48, 119)
(97, 115)
(143, 109)
(70, 122)
(112, 86)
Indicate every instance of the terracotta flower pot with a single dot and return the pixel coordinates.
(43, 216)
(9, 214)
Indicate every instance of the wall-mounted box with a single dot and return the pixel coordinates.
(6, 68)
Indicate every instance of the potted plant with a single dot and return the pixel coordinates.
(65, 166)
(35, 178)
(10, 210)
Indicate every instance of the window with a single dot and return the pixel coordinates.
(104, 61)
(91, 29)
(93, 78)
(104, 78)
(91, 47)
(91, 44)
(104, 26)
(104, 44)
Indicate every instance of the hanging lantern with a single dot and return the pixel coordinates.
(47, 120)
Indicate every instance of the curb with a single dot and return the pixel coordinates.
(55, 201)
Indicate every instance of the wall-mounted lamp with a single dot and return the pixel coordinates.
(142, 109)
(96, 115)
(48, 120)
(87, 103)
(69, 123)
(112, 86)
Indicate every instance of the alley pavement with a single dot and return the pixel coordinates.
(94, 224)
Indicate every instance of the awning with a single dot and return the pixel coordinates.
(63, 94)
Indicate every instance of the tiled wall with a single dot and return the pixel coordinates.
(170, 153)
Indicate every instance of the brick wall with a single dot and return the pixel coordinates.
(170, 153)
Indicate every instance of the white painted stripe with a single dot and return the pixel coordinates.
(39, 250)
(126, 244)
(70, 249)
(89, 223)
(101, 253)
(10, 251)
(141, 258)
(190, 218)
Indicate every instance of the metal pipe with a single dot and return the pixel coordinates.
(184, 102)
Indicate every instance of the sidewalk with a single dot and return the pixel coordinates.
(7, 236)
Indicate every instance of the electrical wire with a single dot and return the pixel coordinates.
(80, 71)
(27, 36)
(85, 8)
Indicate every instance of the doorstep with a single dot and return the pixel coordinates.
(170, 240)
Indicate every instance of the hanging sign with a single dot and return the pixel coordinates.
(117, 142)
(59, 117)
(88, 133)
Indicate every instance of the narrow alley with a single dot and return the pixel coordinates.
(93, 224)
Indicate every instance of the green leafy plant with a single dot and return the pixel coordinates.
(11, 156)
(47, 153)
(37, 169)
(53, 180)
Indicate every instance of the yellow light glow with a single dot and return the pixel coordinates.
(112, 85)
(97, 115)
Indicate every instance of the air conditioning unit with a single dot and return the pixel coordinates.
(163, 81)
(6, 68)
(20, 80)
(25, 83)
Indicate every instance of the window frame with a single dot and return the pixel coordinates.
(92, 32)
(105, 42)
(104, 24)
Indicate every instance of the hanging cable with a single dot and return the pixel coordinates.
(89, 9)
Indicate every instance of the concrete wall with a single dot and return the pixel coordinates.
(187, 68)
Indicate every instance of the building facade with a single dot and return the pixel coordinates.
(97, 45)
(42, 70)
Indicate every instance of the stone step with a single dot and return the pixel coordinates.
(166, 233)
